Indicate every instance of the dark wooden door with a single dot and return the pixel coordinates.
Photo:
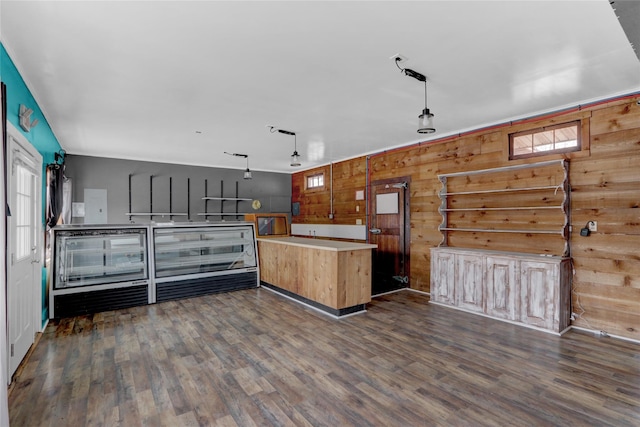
(388, 228)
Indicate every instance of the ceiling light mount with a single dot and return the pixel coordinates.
(399, 58)
(425, 120)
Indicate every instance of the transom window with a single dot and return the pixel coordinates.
(315, 181)
(561, 138)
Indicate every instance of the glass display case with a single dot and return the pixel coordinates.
(91, 257)
(98, 268)
(202, 249)
(198, 259)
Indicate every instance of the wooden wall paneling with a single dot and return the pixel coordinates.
(616, 118)
(608, 319)
(543, 220)
(612, 196)
(610, 221)
(629, 267)
(605, 183)
(612, 144)
(602, 171)
(605, 246)
(509, 242)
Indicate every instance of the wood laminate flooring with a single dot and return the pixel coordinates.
(252, 357)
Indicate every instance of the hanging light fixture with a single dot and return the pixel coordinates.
(247, 172)
(295, 157)
(425, 120)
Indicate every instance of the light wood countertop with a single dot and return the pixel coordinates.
(329, 245)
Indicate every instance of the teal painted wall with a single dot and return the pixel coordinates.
(41, 136)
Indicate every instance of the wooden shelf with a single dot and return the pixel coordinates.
(494, 230)
(508, 208)
(467, 211)
(505, 190)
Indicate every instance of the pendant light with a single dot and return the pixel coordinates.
(247, 172)
(425, 120)
(295, 157)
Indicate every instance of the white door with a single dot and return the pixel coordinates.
(24, 292)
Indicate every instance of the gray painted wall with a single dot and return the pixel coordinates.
(97, 173)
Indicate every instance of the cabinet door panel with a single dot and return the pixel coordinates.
(443, 277)
(502, 288)
(538, 284)
(470, 283)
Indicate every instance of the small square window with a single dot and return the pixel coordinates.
(561, 138)
(315, 181)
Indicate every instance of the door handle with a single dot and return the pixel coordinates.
(375, 231)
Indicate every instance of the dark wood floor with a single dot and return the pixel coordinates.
(254, 358)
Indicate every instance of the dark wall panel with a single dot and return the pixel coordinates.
(272, 189)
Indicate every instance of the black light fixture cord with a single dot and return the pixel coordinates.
(398, 60)
(425, 95)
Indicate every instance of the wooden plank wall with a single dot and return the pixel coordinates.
(348, 177)
(605, 180)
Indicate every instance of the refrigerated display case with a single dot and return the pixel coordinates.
(99, 268)
(197, 259)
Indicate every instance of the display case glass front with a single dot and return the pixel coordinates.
(193, 250)
(86, 257)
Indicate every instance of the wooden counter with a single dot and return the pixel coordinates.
(334, 276)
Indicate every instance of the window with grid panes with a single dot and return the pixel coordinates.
(315, 181)
(560, 138)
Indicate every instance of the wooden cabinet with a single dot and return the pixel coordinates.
(528, 289)
(333, 276)
(500, 287)
(443, 278)
(468, 283)
(542, 302)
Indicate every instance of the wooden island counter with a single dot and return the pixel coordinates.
(333, 276)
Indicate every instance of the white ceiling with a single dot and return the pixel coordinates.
(182, 82)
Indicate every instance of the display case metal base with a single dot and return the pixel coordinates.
(89, 302)
(195, 287)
